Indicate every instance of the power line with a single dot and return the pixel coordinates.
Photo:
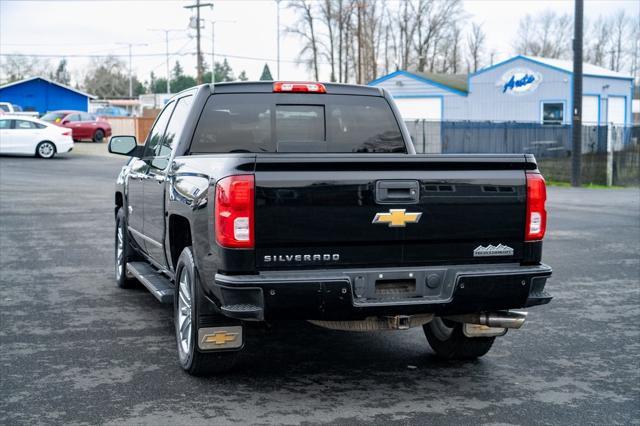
(218, 55)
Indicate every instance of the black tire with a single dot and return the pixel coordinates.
(46, 150)
(191, 359)
(127, 253)
(98, 135)
(448, 341)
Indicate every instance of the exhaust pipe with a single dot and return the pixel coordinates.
(502, 319)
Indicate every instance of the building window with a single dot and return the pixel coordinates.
(553, 113)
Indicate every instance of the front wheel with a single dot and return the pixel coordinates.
(123, 252)
(46, 150)
(98, 136)
(448, 341)
(185, 308)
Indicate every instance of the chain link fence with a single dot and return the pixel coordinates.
(607, 150)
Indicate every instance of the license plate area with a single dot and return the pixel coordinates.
(400, 286)
(395, 288)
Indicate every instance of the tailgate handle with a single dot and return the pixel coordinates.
(397, 191)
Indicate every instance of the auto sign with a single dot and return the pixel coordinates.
(519, 81)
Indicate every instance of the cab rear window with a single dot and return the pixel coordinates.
(271, 122)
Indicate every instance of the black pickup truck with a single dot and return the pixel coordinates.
(266, 201)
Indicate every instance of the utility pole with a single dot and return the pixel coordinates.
(576, 155)
(197, 7)
(278, 39)
(166, 38)
(131, 65)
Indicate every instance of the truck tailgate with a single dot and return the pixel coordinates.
(319, 210)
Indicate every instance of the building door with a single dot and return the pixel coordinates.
(616, 111)
(420, 108)
(590, 108)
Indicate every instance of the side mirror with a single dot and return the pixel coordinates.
(65, 122)
(125, 145)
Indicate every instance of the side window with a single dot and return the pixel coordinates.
(86, 117)
(5, 124)
(172, 134)
(157, 131)
(23, 124)
(73, 117)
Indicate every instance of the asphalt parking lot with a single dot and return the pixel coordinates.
(75, 349)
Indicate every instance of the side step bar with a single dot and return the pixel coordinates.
(155, 282)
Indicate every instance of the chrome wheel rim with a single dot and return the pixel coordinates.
(119, 252)
(440, 329)
(45, 150)
(184, 312)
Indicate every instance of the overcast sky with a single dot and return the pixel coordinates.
(96, 27)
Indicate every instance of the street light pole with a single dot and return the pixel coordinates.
(278, 39)
(166, 39)
(131, 65)
(213, 51)
(130, 73)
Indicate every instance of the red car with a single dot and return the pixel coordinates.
(83, 125)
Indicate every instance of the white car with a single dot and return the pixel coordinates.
(9, 108)
(31, 136)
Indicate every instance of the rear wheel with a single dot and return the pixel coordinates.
(46, 149)
(448, 341)
(185, 308)
(98, 136)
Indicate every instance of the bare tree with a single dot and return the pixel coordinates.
(634, 63)
(18, 67)
(329, 17)
(620, 23)
(597, 41)
(435, 21)
(547, 34)
(451, 57)
(475, 45)
(305, 28)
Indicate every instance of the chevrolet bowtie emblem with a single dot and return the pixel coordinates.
(220, 338)
(397, 218)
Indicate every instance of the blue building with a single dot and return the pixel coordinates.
(42, 95)
(522, 89)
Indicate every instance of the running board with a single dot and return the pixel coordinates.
(155, 282)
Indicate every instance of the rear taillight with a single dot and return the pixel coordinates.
(234, 211)
(536, 222)
(282, 86)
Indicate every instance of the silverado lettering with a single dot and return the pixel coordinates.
(301, 257)
(261, 201)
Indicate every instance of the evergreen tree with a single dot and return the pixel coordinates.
(177, 70)
(266, 73)
(61, 74)
(243, 76)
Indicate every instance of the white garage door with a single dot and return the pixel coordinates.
(420, 108)
(590, 110)
(616, 111)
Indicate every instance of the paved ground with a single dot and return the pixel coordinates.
(77, 350)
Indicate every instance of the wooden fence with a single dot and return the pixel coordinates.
(136, 126)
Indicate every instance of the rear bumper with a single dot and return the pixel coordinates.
(359, 293)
